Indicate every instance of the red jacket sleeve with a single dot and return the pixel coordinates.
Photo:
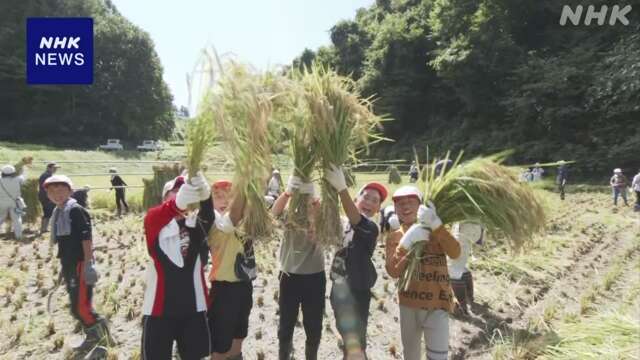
(156, 218)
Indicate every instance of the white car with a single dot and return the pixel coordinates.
(150, 145)
(112, 144)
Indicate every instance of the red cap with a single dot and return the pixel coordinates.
(375, 186)
(221, 184)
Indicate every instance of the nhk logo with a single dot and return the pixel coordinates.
(59, 51)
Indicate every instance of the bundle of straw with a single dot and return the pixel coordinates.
(241, 108)
(152, 194)
(29, 193)
(394, 175)
(485, 192)
(343, 124)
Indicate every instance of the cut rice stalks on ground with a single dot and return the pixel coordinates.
(241, 108)
(343, 124)
(481, 191)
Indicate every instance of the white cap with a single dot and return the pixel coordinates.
(617, 171)
(8, 170)
(58, 179)
(113, 170)
(276, 171)
(407, 191)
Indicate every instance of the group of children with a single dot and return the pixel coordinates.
(207, 315)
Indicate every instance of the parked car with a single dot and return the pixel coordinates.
(112, 144)
(150, 145)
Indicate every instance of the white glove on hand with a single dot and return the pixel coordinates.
(427, 216)
(90, 273)
(224, 223)
(415, 234)
(187, 195)
(200, 182)
(335, 176)
(394, 222)
(293, 183)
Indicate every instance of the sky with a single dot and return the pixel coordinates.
(263, 33)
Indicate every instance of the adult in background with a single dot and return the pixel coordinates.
(537, 172)
(635, 185)
(413, 172)
(47, 205)
(82, 196)
(119, 185)
(11, 202)
(274, 188)
(619, 185)
(561, 179)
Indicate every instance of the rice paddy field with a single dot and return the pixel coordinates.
(573, 294)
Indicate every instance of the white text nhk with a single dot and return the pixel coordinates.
(57, 58)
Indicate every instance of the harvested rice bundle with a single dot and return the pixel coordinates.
(30, 195)
(343, 124)
(482, 191)
(394, 175)
(152, 194)
(241, 108)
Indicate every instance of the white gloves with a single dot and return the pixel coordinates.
(390, 221)
(394, 222)
(199, 182)
(295, 183)
(335, 177)
(427, 216)
(224, 223)
(187, 195)
(90, 273)
(416, 233)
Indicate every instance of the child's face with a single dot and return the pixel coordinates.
(407, 209)
(221, 198)
(58, 193)
(368, 203)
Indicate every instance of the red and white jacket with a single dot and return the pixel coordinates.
(176, 284)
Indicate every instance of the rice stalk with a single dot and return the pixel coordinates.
(485, 192)
(241, 108)
(343, 125)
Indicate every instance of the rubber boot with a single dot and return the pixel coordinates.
(460, 291)
(311, 350)
(97, 334)
(284, 351)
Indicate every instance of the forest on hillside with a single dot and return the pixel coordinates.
(485, 75)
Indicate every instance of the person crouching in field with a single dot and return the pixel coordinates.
(71, 231)
(302, 277)
(427, 301)
(231, 292)
(352, 270)
(175, 299)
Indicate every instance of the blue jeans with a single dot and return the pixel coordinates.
(617, 192)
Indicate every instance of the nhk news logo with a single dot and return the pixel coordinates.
(59, 51)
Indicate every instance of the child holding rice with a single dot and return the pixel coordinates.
(302, 277)
(231, 291)
(175, 300)
(426, 301)
(352, 271)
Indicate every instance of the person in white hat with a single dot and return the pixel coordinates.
(273, 188)
(11, 203)
(71, 230)
(537, 172)
(175, 300)
(619, 184)
(427, 301)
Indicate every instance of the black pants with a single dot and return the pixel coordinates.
(351, 309)
(637, 199)
(47, 206)
(80, 294)
(306, 291)
(190, 332)
(229, 312)
(120, 201)
(561, 188)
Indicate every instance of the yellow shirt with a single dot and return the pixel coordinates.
(224, 250)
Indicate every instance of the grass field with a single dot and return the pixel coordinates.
(573, 294)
